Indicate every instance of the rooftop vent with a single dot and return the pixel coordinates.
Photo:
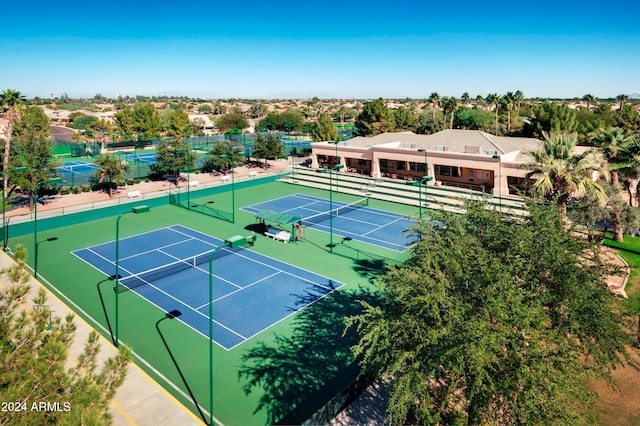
(472, 149)
(441, 148)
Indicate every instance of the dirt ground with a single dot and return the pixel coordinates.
(619, 406)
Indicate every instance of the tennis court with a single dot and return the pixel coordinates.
(354, 220)
(148, 158)
(76, 167)
(169, 268)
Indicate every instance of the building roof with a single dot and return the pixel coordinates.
(456, 141)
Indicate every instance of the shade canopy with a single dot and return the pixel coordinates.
(277, 217)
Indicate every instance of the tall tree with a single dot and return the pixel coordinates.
(621, 100)
(33, 149)
(179, 124)
(110, 170)
(465, 98)
(627, 164)
(560, 174)
(588, 98)
(375, 118)
(231, 121)
(434, 99)
(550, 117)
(404, 119)
(494, 99)
(610, 142)
(450, 105)
(268, 147)
(173, 156)
(519, 96)
(10, 101)
(323, 129)
(479, 328)
(509, 100)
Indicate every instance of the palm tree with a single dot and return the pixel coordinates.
(450, 105)
(519, 98)
(10, 101)
(610, 142)
(465, 98)
(627, 164)
(588, 98)
(561, 174)
(509, 100)
(494, 99)
(622, 99)
(434, 98)
(480, 101)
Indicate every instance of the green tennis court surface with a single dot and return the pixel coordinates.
(169, 268)
(285, 372)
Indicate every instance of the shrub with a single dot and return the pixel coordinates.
(86, 187)
(64, 190)
(76, 190)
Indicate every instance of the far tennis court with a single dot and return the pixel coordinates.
(354, 220)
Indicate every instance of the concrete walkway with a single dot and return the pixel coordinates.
(140, 400)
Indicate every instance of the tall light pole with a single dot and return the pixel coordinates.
(335, 166)
(331, 171)
(135, 210)
(35, 209)
(420, 183)
(232, 158)
(188, 170)
(4, 204)
(499, 158)
(35, 267)
(232, 242)
(426, 167)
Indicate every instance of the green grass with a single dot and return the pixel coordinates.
(308, 344)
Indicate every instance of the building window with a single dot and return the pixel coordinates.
(448, 171)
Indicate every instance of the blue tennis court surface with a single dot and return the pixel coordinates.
(149, 158)
(379, 227)
(79, 167)
(169, 268)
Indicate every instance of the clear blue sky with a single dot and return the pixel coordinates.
(328, 48)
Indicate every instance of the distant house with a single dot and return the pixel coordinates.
(465, 158)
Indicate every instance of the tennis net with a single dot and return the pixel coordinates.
(136, 280)
(339, 211)
(79, 168)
